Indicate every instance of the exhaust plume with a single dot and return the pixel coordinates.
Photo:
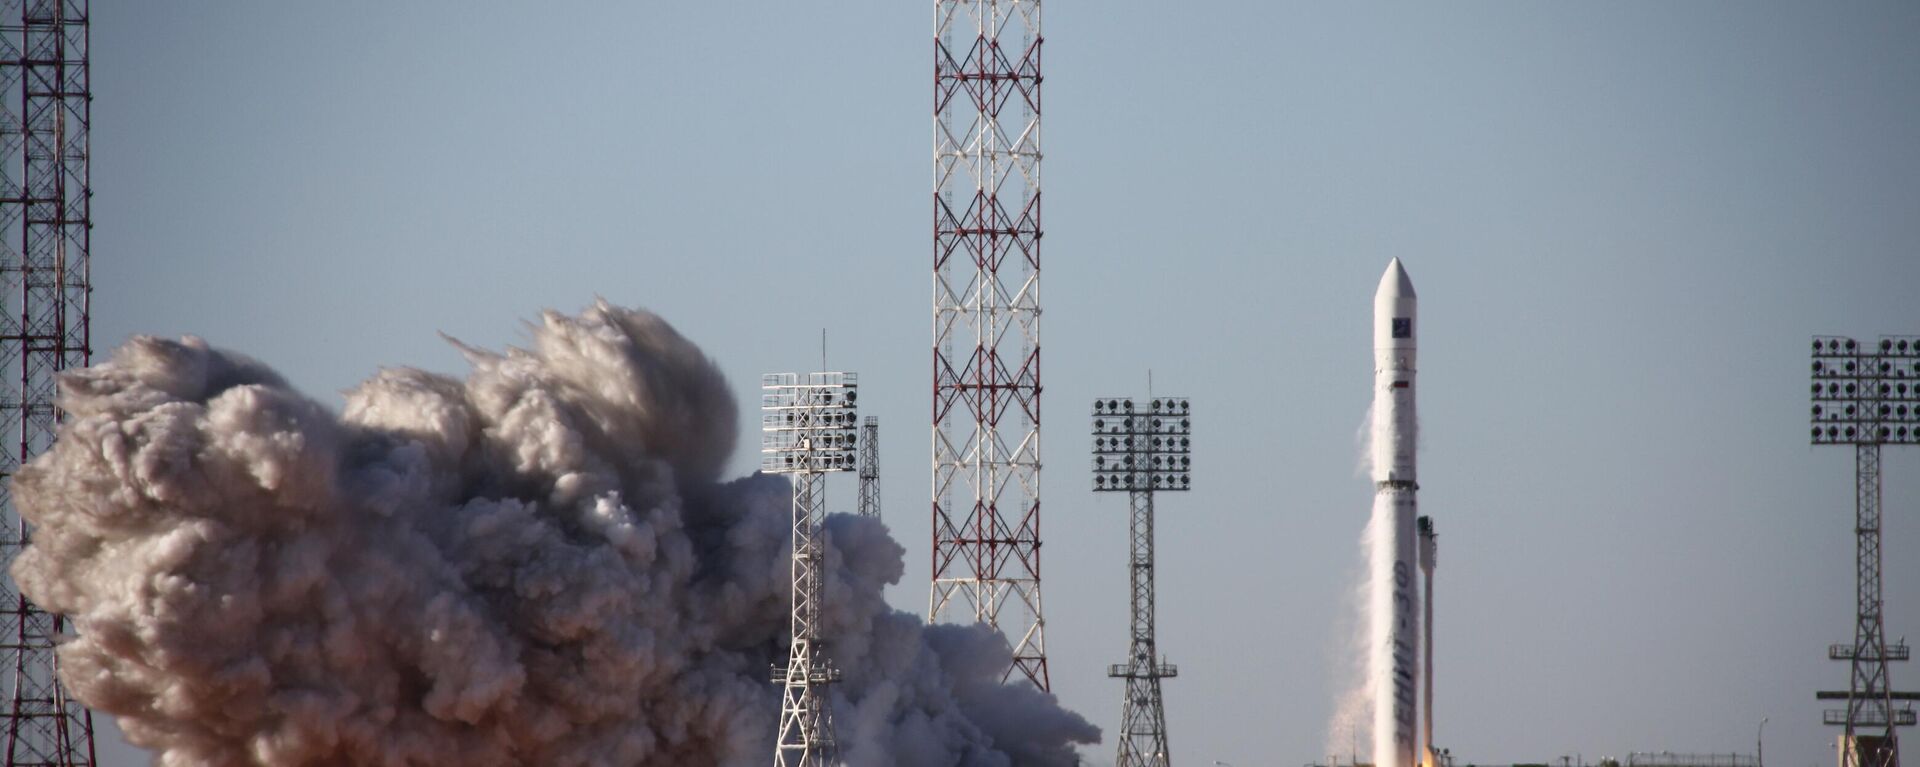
(536, 565)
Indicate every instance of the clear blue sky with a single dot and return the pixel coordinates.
(1624, 220)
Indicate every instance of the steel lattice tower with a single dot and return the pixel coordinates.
(1142, 453)
(986, 322)
(1867, 399)
(870, 468)
(808, 430)
(45, 290)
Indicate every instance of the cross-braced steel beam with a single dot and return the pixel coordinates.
(45, 327)
(986, 323)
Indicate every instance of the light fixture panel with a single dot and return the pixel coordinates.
(809, 423)
(1865, 393)
(1144, 444)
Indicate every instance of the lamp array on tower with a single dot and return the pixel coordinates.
(807, 429)
(1145, 450)
(1141, 451)
(1867, 397)
(1864, 395)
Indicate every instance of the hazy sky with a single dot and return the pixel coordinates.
(1624, 220)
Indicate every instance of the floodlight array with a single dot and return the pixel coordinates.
(1866, 394)
(1142, 448)
(808, 423)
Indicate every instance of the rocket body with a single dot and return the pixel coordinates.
(1394, 349)
(1395, 615)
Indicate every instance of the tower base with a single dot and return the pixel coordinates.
(1867, 751)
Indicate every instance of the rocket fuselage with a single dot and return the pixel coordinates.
(1395, 437)
(1395, 349)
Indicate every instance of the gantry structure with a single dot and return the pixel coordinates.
(986, 323)
(1865, 397)
(46, 288)
(1142, 451)
(808, 431)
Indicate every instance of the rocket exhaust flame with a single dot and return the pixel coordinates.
(536, 565)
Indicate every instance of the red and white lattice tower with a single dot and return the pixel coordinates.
(45, 282)
(986, 322)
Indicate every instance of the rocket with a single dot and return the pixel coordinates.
(1396, 618)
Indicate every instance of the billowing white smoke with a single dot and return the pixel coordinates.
(1351, 723)
(1349, 732)
(1365, 663)
(537, 565)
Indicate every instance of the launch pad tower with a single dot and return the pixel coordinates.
(1867, 398)
(46, 288)
(1140, 452)
(808, 430)
(986, 323)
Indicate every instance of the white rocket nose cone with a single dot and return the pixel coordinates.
(1394, 284)
(1394, 307)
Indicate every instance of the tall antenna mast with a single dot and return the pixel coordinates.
(45, 311)
(986, 323)
(807, 430)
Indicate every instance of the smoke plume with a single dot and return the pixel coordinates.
(537, 565)
(1351, 722)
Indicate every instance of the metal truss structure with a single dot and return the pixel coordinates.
(1141, 452)
(1867, 398)
(986, 323)
(807, 431)
(870, 468)
(45, 312)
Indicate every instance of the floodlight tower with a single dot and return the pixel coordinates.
(986, 322)
(807, 430)
(870, 468)
(1867, 398)
(46, 286)
(1141, 452)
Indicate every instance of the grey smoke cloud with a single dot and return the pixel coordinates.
(538, 564)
